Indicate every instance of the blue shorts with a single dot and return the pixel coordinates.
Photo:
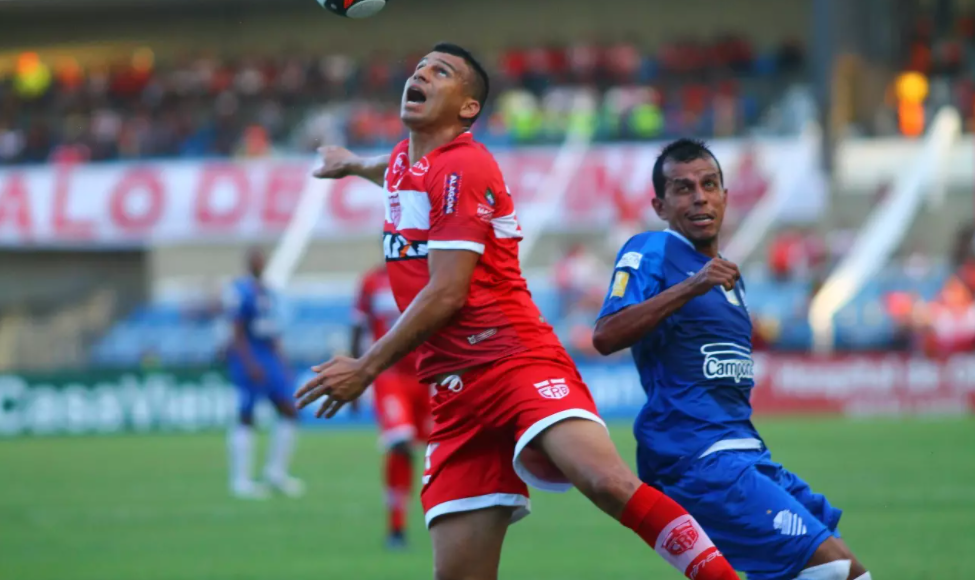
(277, 385)
(766, 521)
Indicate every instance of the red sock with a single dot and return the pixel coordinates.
(399, 483)
(675, 535)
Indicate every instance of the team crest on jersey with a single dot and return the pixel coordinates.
(553, 389)
(396, 248)
(489, 196)
(451, 191)
(421, 167)
(731, 297)
(727, 360)
(681, 539)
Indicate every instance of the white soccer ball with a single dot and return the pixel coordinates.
(354, 8)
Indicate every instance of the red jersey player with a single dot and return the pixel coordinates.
(402, 401)
(510, 408)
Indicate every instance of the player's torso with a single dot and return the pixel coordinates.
(499, 317)
(708, 340)
(262, 325)
(697, 369)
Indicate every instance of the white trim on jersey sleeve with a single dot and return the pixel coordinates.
(455, 245)
(506, 227)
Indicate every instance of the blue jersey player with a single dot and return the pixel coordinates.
(258, 370)
(682, 309)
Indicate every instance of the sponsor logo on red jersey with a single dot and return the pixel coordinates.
(451, 190)
(421, 167)
(395, 209)
(397, 247)
(681, 539)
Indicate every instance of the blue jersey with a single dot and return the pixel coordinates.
(695, 367)
(252, 304)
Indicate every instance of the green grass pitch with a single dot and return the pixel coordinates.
(154, 507)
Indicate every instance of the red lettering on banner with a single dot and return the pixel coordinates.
(138, 183)
(232, 178)
(15, 206)
(285, 183)
(65, 227)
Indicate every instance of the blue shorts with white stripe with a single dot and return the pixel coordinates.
(765, 519)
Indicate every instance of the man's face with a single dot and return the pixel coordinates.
(438, 93)
(255, 263)
(694, 199)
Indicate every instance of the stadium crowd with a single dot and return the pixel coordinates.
(208, 105)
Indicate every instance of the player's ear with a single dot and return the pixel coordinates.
(470, 110)
(658, 206)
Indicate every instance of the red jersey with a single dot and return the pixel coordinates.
(455, 199)
(375, 307)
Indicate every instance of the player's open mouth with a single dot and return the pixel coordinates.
(415, 96)
(701, 219)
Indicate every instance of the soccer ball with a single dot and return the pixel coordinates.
(354, 8)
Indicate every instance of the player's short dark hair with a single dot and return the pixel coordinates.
(481, 85)
(681, 151)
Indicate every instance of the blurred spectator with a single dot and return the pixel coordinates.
(138, 106)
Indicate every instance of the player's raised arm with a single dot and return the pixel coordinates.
(634, 307)
(339, 162)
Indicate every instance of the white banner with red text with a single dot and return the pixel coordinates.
(174, 202)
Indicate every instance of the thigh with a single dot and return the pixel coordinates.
(756, 523)
(247, 393)
(816, 503)
(540, 393)
(467, 545)
(280, 388)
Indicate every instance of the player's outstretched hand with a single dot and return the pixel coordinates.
(717, 272)
(336, 162)
(340, 380)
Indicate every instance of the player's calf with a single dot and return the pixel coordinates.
(585, 454)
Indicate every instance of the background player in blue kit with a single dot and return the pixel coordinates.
(682, 309)
(258, 369)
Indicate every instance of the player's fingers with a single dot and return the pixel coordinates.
(327, 409)
(321, 367)
(334, 409)
(307, 387)
(311, 397)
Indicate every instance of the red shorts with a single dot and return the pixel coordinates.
(402, 408)
(483, 421)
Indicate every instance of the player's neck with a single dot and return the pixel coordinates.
(708, 248)
(422, 142)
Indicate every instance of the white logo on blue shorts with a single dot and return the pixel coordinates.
(789, 524)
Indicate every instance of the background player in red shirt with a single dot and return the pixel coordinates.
(510, 407)
(402, 401)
